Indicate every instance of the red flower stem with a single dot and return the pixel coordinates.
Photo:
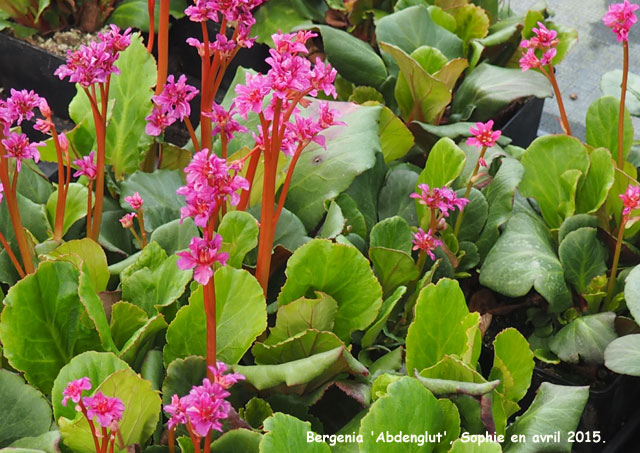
(89, 206)
(554, 83)
(163, 46)
(251, 173)
(623, 94)
(12, 256)
(141, 224)
(151, 8)
(194, 439)
(287, 183)
(616, 259)
(92, 426)
(207, 443)
(210, 312)
(10, 196)
(192, 133)
(205, 122)
(265, 240)
(100, 125)
(111, 444)
(456, 229)
(62, 190)
(172, 440)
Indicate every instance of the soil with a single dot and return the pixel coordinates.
(60, 42)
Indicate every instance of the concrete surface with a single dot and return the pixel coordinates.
(596, 52)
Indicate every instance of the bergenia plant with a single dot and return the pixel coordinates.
(103, 413)
(91, 67)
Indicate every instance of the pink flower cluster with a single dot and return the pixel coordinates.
(210, 181)
(483, 136)
(86, 167)
(440, 198)
(620, 18)
(107, 411)
(290, 78)
(96, 62)
(544, 41)
(19, 106)
(426, 242)
(226, 126)
(203, 409)
(630, 199)
(170, 105)
(201, 257)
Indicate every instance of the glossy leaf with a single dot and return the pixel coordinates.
(392, 233)
(126, 319)
(385, 311)
(593, 192)
(298, 346)
(459, 446)
(277, 15)
(141, 338)
(75, 206)
(632, 292)
(88, 253)
(395, 138)
(23, 410)
(475, 215)
(445, 163)
(555, 408)
(512, 364)
(585, 338)
(174, 235)
(287, 434)
(610, 85)
(472, 22)
(393, 267)
(602, 126)
(341, 272)
(583, 257)
(438, 327)
(623, 355)
(552, 167)
(524, 257)
(47, 443)
(237, 441)
(241, 315)
(239, 231)
(182, 375)
(135, 13)
(393, 199)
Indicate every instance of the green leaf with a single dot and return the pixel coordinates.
(426, 97)
(341, 272)
(75, 206)
(23, 410)
(610, 85)
(574, 223)
(240, 311)
(277, 15)
(632, 292)
(555, 408)
(256, 411)
(593, 192)
(583, 257)
(438, 327)
(472, 22)
(426, 415)
(302, 314)
(135, 13)
(237, 441)
(524, 257)
(623, 355)
(42, 321)
(512, 364)
(97, 366)
(413, 27)
(395, 138)
(175, 235)
(393, 267)
(239, 231)
(585, 338)
(304, 374)
(287, 434)
(393, 199)
(385, 311)
(489, 89)
(88, 253)
(142, 337)
(158, 190)
(459, 446)
(356, 223)
(139, 420)
(552, 166)
(354, 59)
(614, 204)
(182, 375)
(445, 163)
(296, 347)
(322, 174)
(290, 232)
(392, 233)
(365, 190)
(475, 215)
(156, 286)
(47, 443)
(334, 222)
(602, 126)
(126, 319)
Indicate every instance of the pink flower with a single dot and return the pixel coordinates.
(426, 242)
(18, 146)
(443, 199)
(135, 201)
(127, 220)
(87, 166)
(483, 135)
(250, 95)
(193, 42)
(224, 121)
(107, 410)
(630, 199)
(544, 38)
(21, 104)
(529, 60)
(177, 411)
(74, 389)
(548, 56)
(1, 191)
(620, 18)
(202, 255)
(322, 78)
(206, 412)
(225, 380)
(223, 45)
(158, 121)
(175, 97)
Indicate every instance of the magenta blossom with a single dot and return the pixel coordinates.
(87, 167)
(106, 410)
(177, 411)
(620, 18)
(483, 135)
(443, 199)
(1, 192)
(135, 201)
(224, 121)
(21, 104)
(175, 97)
(543, 39)
(18, 146)
(630, 199)
(225, 380)
(74, 389)
(426, 242)
(158, 121)
(127, 220)
(202, 255)
(205, 413)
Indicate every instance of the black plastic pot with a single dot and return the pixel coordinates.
(523, 126)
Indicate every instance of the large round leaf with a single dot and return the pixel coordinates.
(23, 410)
(602, 126)
(287, 434)
(88, 253)
(623, 355)
(343, 273)
(241, 313)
